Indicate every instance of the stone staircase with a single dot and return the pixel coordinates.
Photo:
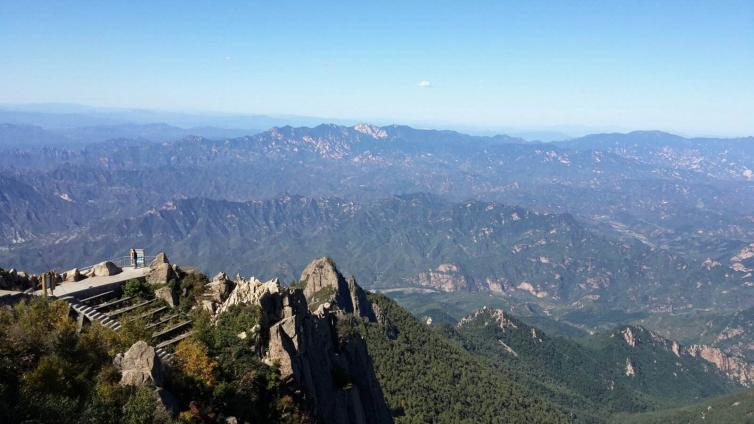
(92, 313)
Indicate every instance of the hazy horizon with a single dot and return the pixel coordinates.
(537, 66)
(241, 121)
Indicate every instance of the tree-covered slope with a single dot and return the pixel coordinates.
(625, 370)
(734, 408)
(428, 378)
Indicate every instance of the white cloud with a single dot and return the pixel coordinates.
(424, 84)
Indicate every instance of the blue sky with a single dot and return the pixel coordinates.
(685, 66)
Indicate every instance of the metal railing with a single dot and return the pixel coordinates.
(122, 261)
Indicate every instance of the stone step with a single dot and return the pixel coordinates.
(113, 303)
(162, 321)
(129, 308)
(149, 313)
(174, 340)
(171, 329)
(98, 296)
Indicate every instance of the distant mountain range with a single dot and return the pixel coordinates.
(644, 218)
(24, 136)
(692, 196)
(645, 227)
(407, 241)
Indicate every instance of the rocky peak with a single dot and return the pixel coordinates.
(332, 367)
(320, 274)
(489, 316)
(636, 335)
(371, 130)
(324, 283)
(268, 295)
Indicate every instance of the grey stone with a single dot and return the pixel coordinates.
(72, 276)
(140, 365)
(104, 269)
(160, 270)
(167, 294)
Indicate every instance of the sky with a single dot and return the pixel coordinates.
(683, 66)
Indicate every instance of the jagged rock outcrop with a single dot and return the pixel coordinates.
(333, 369)
(628, 336)
(322, 274)
(104, 269)
(736, 368)
(217, 291)
(160, 270)
(498, 317)
(254, 292)
(630, 369)
(140, 365)
(323, 283)
(168, 294)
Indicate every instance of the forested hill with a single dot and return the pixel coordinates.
(429, 378)
(408, 241)
(628, 369)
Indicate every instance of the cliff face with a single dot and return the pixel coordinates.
(734, 367)
(316, 352)
(323, 284)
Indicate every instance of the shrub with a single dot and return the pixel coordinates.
(193, 359)
(140, 406)
(192, 287)
(238, 319)
(138, 288)
(131, 331)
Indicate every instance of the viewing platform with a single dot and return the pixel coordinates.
(93, 285)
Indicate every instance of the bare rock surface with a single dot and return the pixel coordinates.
(307, 348)
(322, 276)
(160, 270)
(140, 365)
(72, 276)
(217, 291)
(736, 368)
(105, 269)
(168, 294)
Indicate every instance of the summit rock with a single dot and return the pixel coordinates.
(323, 283)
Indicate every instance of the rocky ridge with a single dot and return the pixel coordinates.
(315, 351)
(735, 367)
